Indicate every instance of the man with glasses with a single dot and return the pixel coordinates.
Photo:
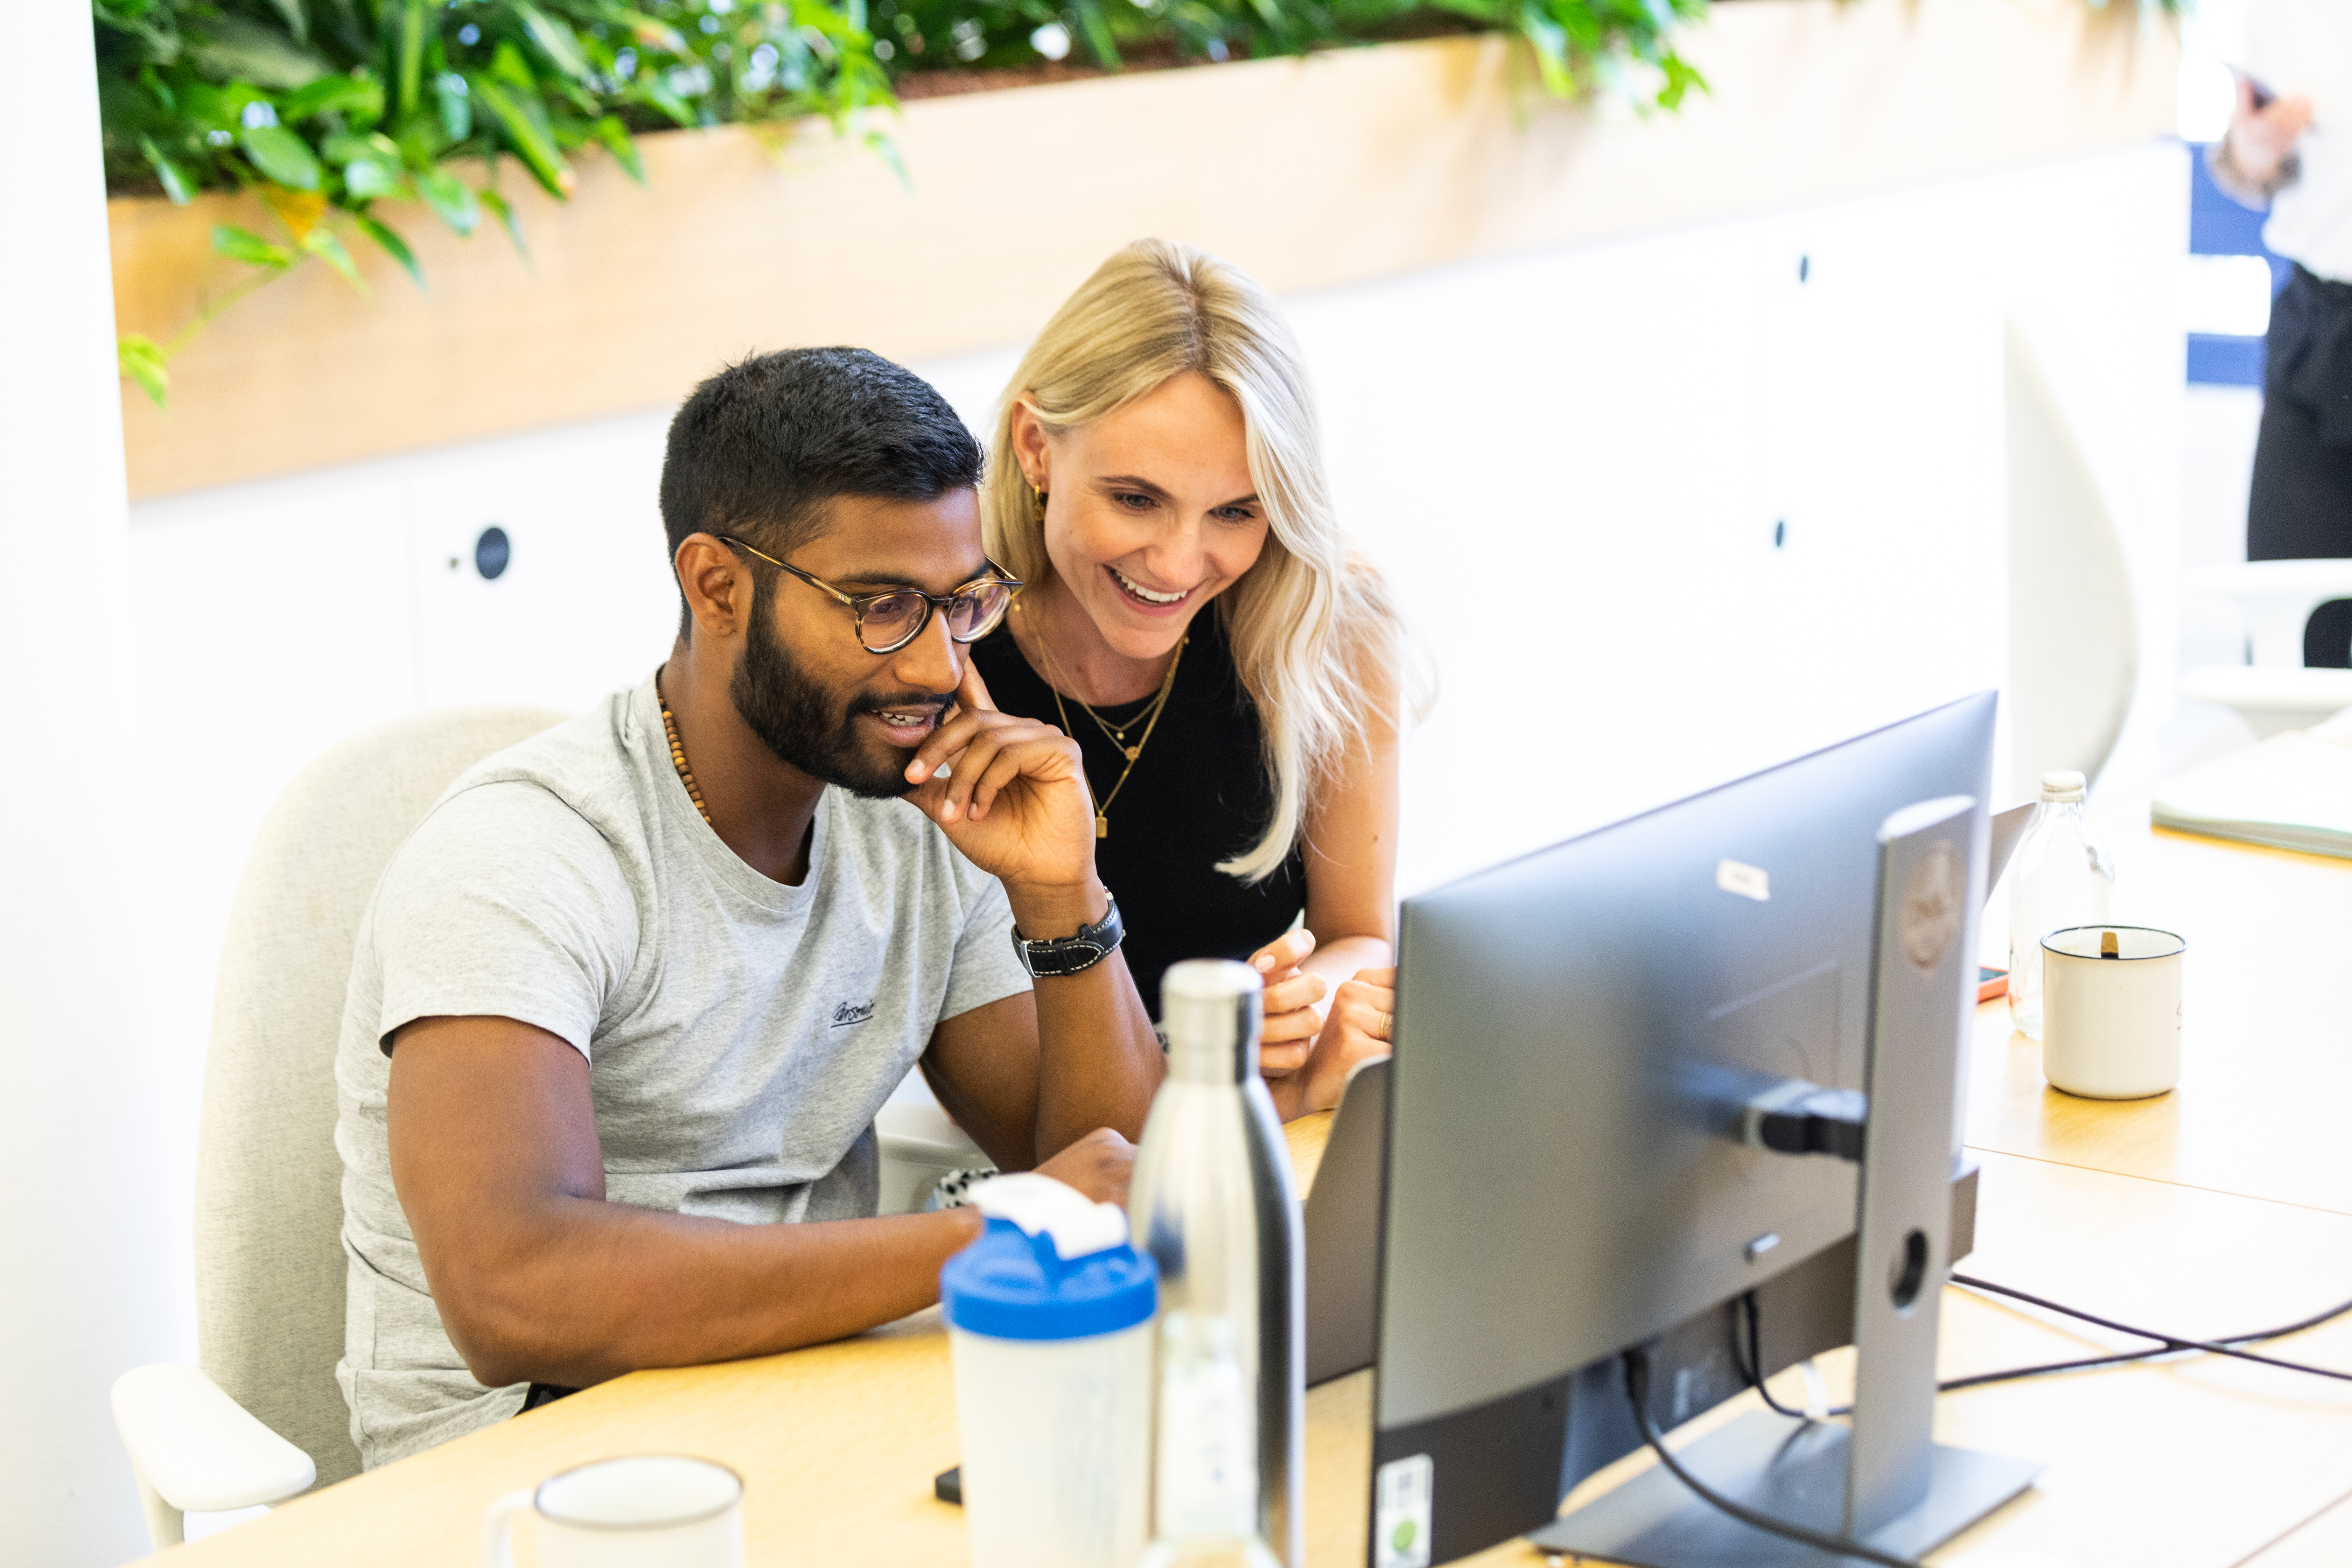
(630, 996)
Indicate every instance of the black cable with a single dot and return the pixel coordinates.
(1752, 1367)
(2174, 1341)
(2120, 1357)
(1637, 1389)
(2167, 1345)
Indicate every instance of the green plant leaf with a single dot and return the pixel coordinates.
(555, 40)
(365, 179)
(243, 244)
(281, 155)
(1096, 29)
(388, 240)
(615, 136)
(177, 183)
(360, 96)
(501, 209)
(651, 32)
(1680, 77)
(140, 358)
(457, 105)
(347, 146)
(240, 50)
(506, 65)
(298, 19)
(450, 199)
(886, 147)
(412, 19)
(529, 139)
(322, 243)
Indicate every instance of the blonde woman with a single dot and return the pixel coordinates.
(1195, 620)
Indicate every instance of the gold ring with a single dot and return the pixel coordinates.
(1387, 1026)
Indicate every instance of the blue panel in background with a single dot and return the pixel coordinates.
(2224, 362)
(2217, 226)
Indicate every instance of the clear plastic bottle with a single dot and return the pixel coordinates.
(1205, 1490)
(2060, 877)
(1214, 1203)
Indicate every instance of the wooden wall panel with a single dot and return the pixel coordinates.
(1311, 173)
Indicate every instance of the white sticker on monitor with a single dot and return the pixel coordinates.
(1748, 882)
(1401, 1512)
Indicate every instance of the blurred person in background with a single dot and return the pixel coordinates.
(1196, 619)
(2281, 153)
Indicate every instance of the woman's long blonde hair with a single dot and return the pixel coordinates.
(1314, 633)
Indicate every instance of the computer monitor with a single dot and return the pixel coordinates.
(1574, 1170)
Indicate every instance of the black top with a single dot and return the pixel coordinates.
(1199, 795)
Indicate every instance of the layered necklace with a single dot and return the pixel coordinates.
(1149, 717)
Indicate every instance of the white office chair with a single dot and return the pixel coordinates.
(2074, 638)
(2276, 692)
(261, 1419)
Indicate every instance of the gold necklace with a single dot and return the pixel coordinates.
(1148, 717)
(678, 752)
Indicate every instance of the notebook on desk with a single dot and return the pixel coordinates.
(2291, 791)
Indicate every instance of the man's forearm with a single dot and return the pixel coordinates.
(1098, 1061)
(575, 1290)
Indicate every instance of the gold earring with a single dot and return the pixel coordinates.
(1041, 501)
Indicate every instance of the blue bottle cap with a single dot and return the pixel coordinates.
(1010, 1285)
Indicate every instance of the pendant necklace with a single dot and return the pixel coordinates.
(1116, 735)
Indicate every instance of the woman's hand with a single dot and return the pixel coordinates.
(1359, 1028)
(2260, 139)
(1294, 1014)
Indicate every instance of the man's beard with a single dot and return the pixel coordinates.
(803, 723)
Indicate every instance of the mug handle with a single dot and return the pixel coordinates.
(497, 1529)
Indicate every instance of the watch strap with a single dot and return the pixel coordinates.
(1073, 955)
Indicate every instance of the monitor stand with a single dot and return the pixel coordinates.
(1884, 1481)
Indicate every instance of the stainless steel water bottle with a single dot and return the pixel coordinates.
(1214, 1203)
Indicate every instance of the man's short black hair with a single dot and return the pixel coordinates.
(760, 448)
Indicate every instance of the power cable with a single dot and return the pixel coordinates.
(2166, 1344)
(1751, 1366)
(1637, 1390)
(2170, 1342)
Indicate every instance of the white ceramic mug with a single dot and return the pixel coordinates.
(2111, 1024)
(649, 1511)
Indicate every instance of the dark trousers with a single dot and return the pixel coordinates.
(2301, 504)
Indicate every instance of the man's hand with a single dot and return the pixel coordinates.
(2260, 139)
(1014, 800)
(1098, 1164)
(1357, 1028)
(1293, 1015)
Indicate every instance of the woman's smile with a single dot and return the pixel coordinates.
(1150, 601)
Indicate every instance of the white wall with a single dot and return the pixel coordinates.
(1571, 462)
(93, 1228)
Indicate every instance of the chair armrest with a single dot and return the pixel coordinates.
(2278, 598)
(200, 1450)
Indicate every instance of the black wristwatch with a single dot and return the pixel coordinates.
(1071, 954)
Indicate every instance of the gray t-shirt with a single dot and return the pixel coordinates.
(741, 1034)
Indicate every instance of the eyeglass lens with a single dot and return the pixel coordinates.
(893, 618)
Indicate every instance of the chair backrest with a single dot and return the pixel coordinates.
(2074, 638)
(269, 1209)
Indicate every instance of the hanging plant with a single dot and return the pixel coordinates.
(344, 116)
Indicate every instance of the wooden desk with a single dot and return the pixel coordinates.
(2224, 1207)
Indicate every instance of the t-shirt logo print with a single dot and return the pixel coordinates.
(852, 1013)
